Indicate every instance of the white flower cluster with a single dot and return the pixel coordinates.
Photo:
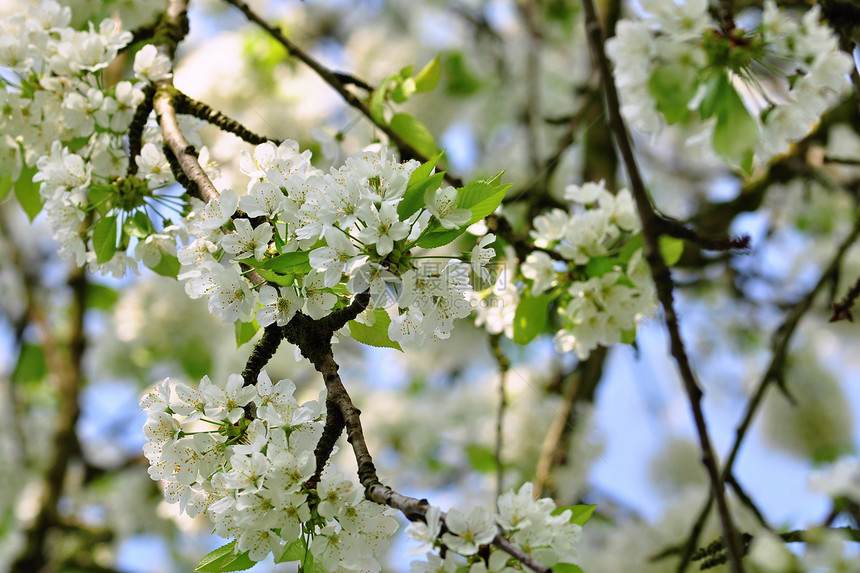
(65, 123)
(677, 52)
(248, 475)
(611, 288)
(524, 521)
(343, 232)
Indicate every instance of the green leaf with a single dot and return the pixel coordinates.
(403, 90)
(376, 104)
(428, 78)
(376, 335)
(630, 247)
(138, 225)
(100, 296)
(5, 185)
(460, 81)
(735, 133)
(273, 277)
(245, 331)
(671, 249)
(482, 458)
(599, 266)
(424, 170)
(31, 364)
(104, 238)
(566, 568)
(289, 263)
(99, 196)
(530, 318)
(27, 192)
(580, 514)
(482, 197)
(413, 197)
(225, 559)
(168, 266)
(415, 133)
(294, 551)
(673, 86)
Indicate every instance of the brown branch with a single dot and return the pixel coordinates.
(662, 279)
(842, 309)
(187, 105)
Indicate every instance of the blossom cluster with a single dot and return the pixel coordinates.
(323, 237)
(676, 61)
(598, 275)
(547, 535)
(248, 474)
(64, 127)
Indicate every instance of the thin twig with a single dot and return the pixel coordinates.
(504, 365)
(779, 344)
(337, 82)
(662, 279)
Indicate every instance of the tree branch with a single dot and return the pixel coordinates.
(662, 278)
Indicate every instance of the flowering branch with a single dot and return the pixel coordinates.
(662, 278)
(187, 105)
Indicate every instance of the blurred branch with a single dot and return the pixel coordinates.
(65, 365)
(578, 387)
(774, 373)
(504, 364)
(662, 279)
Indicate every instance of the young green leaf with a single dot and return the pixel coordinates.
(225, 559)
(294, 551)
(101, 297)
(403, 90)
(735, 133)
(415, 133)
(580, 514)
(30, 366)
(671, 249)
(428, 78)
(376, 335)
(27, 192)
(413, 197)
(530, 318)
(673, 86)
(599, 266)
(104, 239)
(481, 458)
(168, 266)
(289, 263)
(5, 185)
(245, 331)
(566, 568)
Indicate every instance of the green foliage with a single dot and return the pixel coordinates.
(599, 266)
(415, 133)
(288, 263)
(460, 81)
(294, 551)
(671, 249)
(27, 192)
(104, 238)
(245, 331)
(168, 266)
(5, 185)
(138, 225)
(735, 132)
(481, 457)
(580, 514)
(414, 197)
(531, 316)
(673, 86)
(428, 78)
(482, 197)
(30, 366)
(101, 297)
(376, 335)
(225, 559)
(566, 568)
